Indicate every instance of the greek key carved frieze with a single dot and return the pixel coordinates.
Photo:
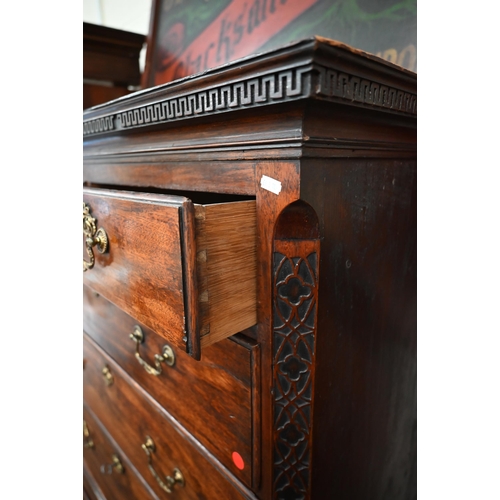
(99, 125)
(280, 86)
(274, 87)
(352, 88)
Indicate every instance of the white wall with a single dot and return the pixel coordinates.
(127, 15)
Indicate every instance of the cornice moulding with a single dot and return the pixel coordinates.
(311, 69)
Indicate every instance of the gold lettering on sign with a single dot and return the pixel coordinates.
(391, 55)
(407, 57)
(240, 29)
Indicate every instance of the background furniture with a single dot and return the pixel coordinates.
(110, 63)
(295, 172)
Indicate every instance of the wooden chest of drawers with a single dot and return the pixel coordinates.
(250, 282)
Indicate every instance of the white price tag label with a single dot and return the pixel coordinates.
(270, 184)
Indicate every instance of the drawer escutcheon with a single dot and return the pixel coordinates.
(108, 376)
(116, 465)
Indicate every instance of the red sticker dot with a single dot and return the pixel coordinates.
(238, 461)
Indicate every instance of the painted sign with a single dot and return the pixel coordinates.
(194, 35)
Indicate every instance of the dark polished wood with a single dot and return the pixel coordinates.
(111, 54)
(367, 334)
(323, 138)
(130, 415)
(174, 266)
(94, 94)
(91, 489)
(110, 63)
(296, 257)
(132, 272)
(98, 460)
(219, 390)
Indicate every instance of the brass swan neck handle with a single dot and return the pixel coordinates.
(167, 356)
(170, 481)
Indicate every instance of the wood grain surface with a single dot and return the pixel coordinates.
(226, 255)
(191, 279)
(98, 461)
(212, 398)
(142, 270)
(130, 414)
(367, 330)
(335, 129)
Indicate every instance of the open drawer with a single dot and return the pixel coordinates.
(187, 271)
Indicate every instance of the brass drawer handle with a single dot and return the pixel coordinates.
(167, 356)
(87, 440)
(93, 237)
(116, 465)
(108, 377)
(178, 478)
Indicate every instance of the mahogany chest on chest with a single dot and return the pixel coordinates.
(250, 282)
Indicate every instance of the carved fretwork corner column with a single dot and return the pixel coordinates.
(295, 275)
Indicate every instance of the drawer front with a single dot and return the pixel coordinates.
(91, 490)
(220, 390)
(112, 475)
(186, 271)
(131, 416)
(141, 268)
